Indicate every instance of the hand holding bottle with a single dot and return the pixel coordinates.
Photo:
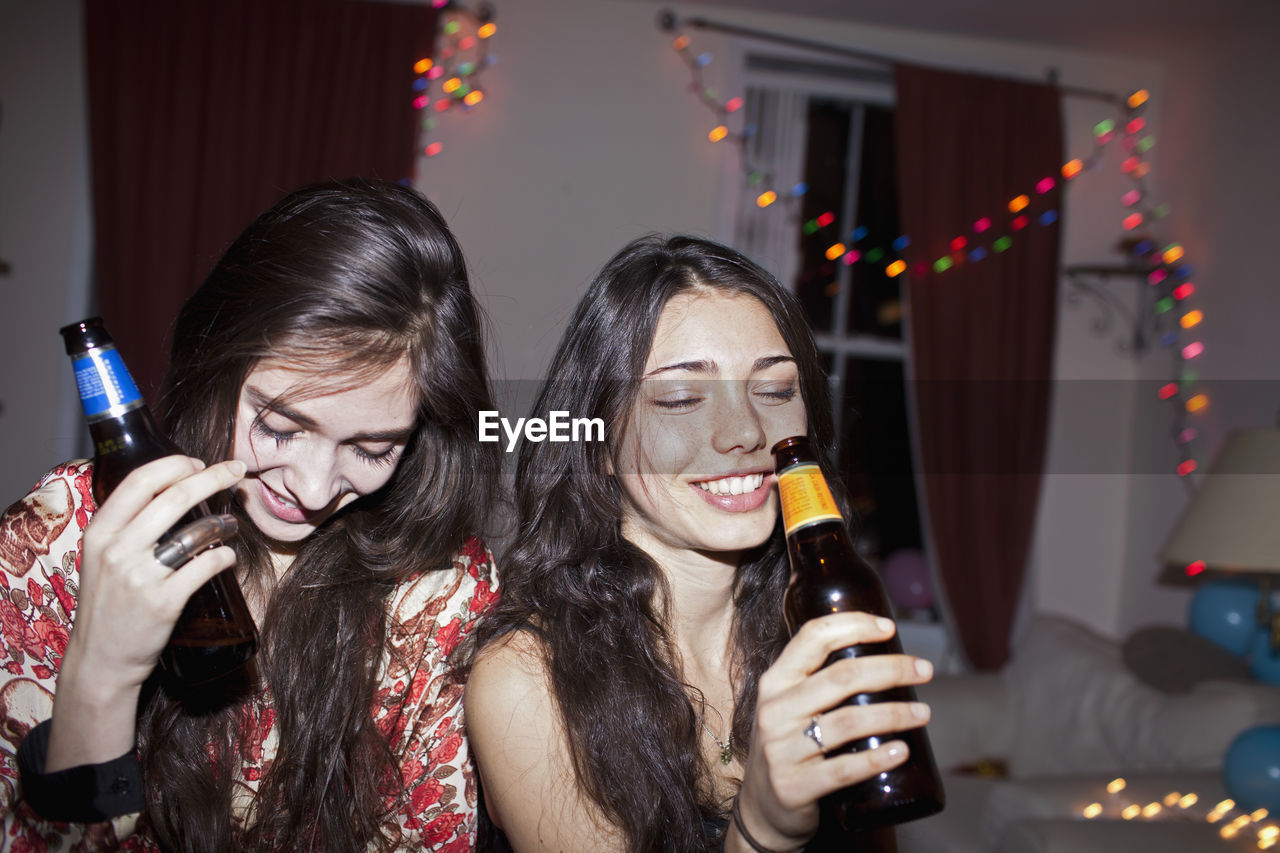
(215, 634)
(788, 770)
(128, 604)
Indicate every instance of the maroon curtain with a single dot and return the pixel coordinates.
(203, 112)
(981, 331)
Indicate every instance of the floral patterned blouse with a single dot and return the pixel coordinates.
(417, 705)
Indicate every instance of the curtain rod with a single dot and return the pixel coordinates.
(667, 20)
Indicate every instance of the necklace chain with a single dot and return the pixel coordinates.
(726, 746)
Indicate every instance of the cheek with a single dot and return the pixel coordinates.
(665, 447)
(256, 453)
(365, 478)
(784, 421)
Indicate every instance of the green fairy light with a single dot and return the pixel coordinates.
(873, 255)
(942, 265)
(1164, 305)
(1104, 126)
(1002, 243)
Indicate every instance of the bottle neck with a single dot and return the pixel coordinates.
(106, 388)
(806, 498)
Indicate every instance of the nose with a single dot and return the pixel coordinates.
(313, 482)
(737, 426)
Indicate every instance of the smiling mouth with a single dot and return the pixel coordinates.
(732, 485)
(281, 507)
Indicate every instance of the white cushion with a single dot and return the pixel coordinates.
(971, 718)
(955, 829)
(1015, 802)
(1077, 709)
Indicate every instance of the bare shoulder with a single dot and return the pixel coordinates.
(523, 755)
(508, 687)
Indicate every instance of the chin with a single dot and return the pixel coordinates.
(741, 539)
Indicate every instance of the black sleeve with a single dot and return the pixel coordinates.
(85, 794)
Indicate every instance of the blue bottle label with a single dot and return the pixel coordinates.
(106, 388)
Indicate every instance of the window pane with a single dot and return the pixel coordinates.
(875, 306)
(876, 457)
(825, 175)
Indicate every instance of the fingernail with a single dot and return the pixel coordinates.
(923, 668)
(895, 749)
(919, 710)
(884, 624)
(237, 467)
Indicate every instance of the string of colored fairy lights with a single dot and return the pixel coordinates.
(1231, 820)
(1162, 262)
(461, 51)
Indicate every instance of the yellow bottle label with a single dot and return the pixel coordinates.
(805, 497)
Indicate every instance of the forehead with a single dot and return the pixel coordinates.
(330, 390)
(715, 326)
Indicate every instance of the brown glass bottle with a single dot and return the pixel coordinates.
(215, 634)
(828, 576)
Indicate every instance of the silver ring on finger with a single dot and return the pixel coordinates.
(813, 732)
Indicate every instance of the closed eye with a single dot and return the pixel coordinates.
(678, 403)
(781, 395)
(280, 438)
(380, 459)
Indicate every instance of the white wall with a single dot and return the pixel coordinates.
(44, 235)
(1217, 169)
(588, 137)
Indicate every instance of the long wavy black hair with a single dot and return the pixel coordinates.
(353, 277)
(595, 602)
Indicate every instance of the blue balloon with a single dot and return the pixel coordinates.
(1251, 769)
(1264, 662)
(1226, 612)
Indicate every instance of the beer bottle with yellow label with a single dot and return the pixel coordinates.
(828, 576)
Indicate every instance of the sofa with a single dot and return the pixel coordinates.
(1025, 751)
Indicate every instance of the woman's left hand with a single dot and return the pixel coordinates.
(787, 772)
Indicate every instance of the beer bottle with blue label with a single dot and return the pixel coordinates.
(828, 576)
(215, 634)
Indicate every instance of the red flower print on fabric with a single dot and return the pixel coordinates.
(17, 631)
(60, 590)
(34, 592)
(447, 637)
(442, 828)
(446, 749)
(411, 771)
(53, 636)
(475, 552)
(483, 598)
(462, 844)
(426, 794)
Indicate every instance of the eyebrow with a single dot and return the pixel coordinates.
(707, 366)
(261, 401)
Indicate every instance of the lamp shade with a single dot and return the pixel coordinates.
(1233, 521)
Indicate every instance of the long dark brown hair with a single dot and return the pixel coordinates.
(360, 275)
(595, 602)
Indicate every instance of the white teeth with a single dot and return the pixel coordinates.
(732, 485)
(282, 498)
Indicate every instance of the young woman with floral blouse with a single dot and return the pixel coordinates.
(325, 382)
